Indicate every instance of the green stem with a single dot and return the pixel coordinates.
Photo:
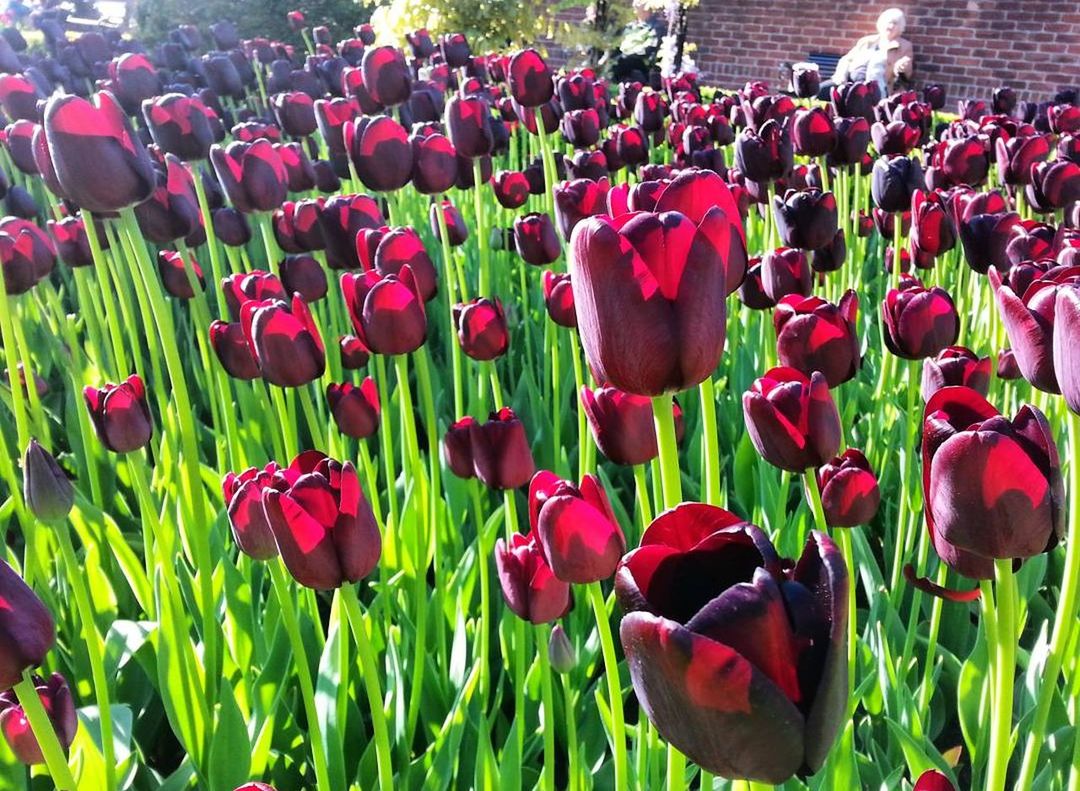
(611, 671)
(370, 670)
(642, 487)
(7, 335)
(1004, 663)
(45, 734)
(711, 441)
(482, 561)
(573, 770)
(543, 635)
(303, 671)
(484, 283)
(671, 477)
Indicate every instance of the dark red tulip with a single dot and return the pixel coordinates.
(72, 244)
(456, 229)
(771, 707)
(649, 111)
(27, 255)
(934, 95)
(257, 286)
(631, 145)
(434, 164)
(420, 42)
(299, 172)
(511, 188)
(342, 218)
(18, 139)
(297, 228)
(535, 239)
(355, 409)
(19, 97)
(577, 530)
(559, 299)
(635, 279)
(180, 125)
(56, 699)
(764, 155)
(576, 200)
(120, 414)
(791, 419)
(387, 312)
(805, 219)
(395, 248)
(386, 75)
(1016, 157)
(251, 174)
(284, 340)
(576, 90)
(466, 177)
(468, 124)
(785, 271)
(244, 506)
(852, 138)
(955, 366)
(174, 277)
(99, 160)
(502, 458)
(352, 85)
(592, 165)
(805, 80)
(481, 328)
(251, 131)
(622, 424)
(1064, 118)
(985, 238)
(813, 133)
(919, 322)
(354, 354)
(294, 112)
(832, 256)
(963, 161)
(530, 588)
(1066, 332)
(457, 447)
(323, 524)
(856, 99)
(849, 490)
(303, 274)
(1053, 185)
(933, 780)
(379, 148)
(231, 226)
(893, 182)
(455, 50)
(530, 79)
(992, 486)
(581, 128)
(895, 137)
(26, 628)
(331, 117)
(172, 211)
(1068, 147)
(1029, 241)
(813, 334)
(1007, 369)
(233, 351)
(932, 230)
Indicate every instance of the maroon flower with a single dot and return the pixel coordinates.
(737, 657)
(455, 50)
(56, 698)
(120, 414)
(577, 530)
(1064, 118)
(481, 328)
(849, 490)
(386, 75)
(99, 160)
(500, 451)
(764, 155)
(559, 299)
(805, 219)
(813, 133)
(985, 238)
(354, 354)
(387, 311)
(919, 322)
(342, 218)
(791, 419)
(323, 524)
(18, 139)
(964, 161)
(455, 223)
(992, 486)
(1053, 185)
(174, 275)
(72, 243)
(297, 228)
(530, 79)
(457, 448)
(649, 111)
(1066, 333)
(1016, 157)
(932, 230)
(856, 98)
(511, 188)
(852, 138)
(622, 424)
(933, 780)
(233, 351)
(434, 163)
(19, 97)
(244, 505)
(355, 409)
(637, 280)
(813, 334)
(26, 628)
(934, 95)
(379, 148)
(581, 128)
(180, 125)
(27, 255)
(251, 174)
(535, 239)
(257, 285)
(895, 137)
(785, 271)
(302, 274)
(284, 341)
(530, 588)
(294, 112)
(331, 117)
(577, 200)
(172, 211)
(955, 366)
(893, 181)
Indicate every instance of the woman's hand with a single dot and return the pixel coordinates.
(903, 66)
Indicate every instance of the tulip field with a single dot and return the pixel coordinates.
(385, 414)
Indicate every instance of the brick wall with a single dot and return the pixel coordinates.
(970, 46)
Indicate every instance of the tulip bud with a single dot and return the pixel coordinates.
(919, 322)
(174, 276)
(457, 448)
(244, 505)
(355, 409)
(531, 590)
(26, 628)
(895, 138)
(46, 489)
(559, 299)
(386, 75)
(233, 351)
(792, 420)
(955, 366)
(764, 155)
(502, 458)
(933, 780)
(561, 651)
(849, 490)
(56, 700)
(354, 354)
(456, 229)
(303, 274)
(785, 271)
(120, 414)
(805, 219)
(893, 182)
(815, 335)
(805, 80)
(481, 328)
(511, 188)
(530, 79)
(813, 133)
(856, 99)
(387, 312)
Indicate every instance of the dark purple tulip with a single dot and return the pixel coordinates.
(815, 335)
(849, 490)
(785, 271)
(180, 125)
(25, 625)
(284, 340)
(303, 274)
(535, 239)
(232, 350)
(355, 409)
(294, 112)
(919, 322)
(379, 148)
(174, 277)
(577, 200)
(341, 218)
(805, 219)
(56, 698)
(530, 588)
(852, 138)
(985, 238)
(456, 229)
(251, 174)
(434, 164)
(530, 78)
(468, 124)
(559, 299)
(386, 75)
(1017, 156)
(387, 312)
(481, 328)
(893, 182)
(955, 366)
(813, 133)
(764, 155)
(120, 414)
(500, 451)
(172, 211)
(791, 419)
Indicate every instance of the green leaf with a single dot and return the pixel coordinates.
(230, 748)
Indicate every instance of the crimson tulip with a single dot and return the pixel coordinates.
(481, 328)
(380, 150)
(530, 79)
(120, 414)
(955, 366)
(813, 133)
(919, 322)
(530, 588)
(355, 409)
(251, 174)
(232, 350)
(284, 340)
(850, 495)
(535, 239)
(244, 505)
(559, 299)
(499, 450)
(813, 334)
(806, 218)
(257, 285)
(792, 419)
(387, 311)
(386, 75)
(785, 271)
(56, 699)
(576, 200)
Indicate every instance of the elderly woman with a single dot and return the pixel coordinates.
(883, 58)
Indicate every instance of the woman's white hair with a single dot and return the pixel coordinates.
(892, 15)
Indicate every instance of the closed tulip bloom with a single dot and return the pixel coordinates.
(852, 138)
(46, 489)
(933, 780)
(649, 111)
(856, 99)
(1016, 157)
(955, 366)
(231, 226)
(805, 219)
(577, 200)
(379, 148)
(1066, 332)
(791, 419)
(386, 75)
(481, 328)
(559, 299)
(895, 137)
(530, 588)
(832, 256)
(299, 172)
(297, 228)
(592, 165)
(530, 79)
(805, 81)
(252, 175)
(577, 530)
(355, 409)
(303, 274)
(22, 263)
(849, 490)
(764, 155)
(99, 160)
(294, 112)
(387, 311)
(622, 424)
(354, 354)
(771, 707)
(468, 123)
(323, 523)
(919, 322)
(785, 271)
(637, 279)
(18, 139)
(284, 340)
(434, 164)
(27, 632)
(232, 350)
(174, 277)
(934, 95)
(180, 125)
(342, 218)
(244, 505)
(992, 486)
(56, 699)
(813, 334)
(120, 414)
(1030, 242)
(1054, 185)
(502, 458)
(456, 228)
(457, 447)
(1064, 118)
(813, 133)
(965, 161)
(985, 238)
(19, 97)
(581, 128)
(631, 145)
(535, 239)
(258, 285)
(511, 188)
(893, 181)
(455, 50)
(932, 230)
(331, 117)
(172, 211)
